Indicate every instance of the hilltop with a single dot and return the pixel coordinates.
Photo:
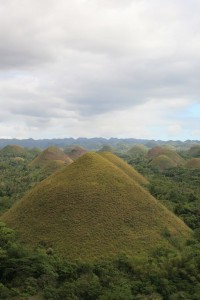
(75, 152)
(194, 151)
(107, 148)
(164, 157)
(137, 150)
(12, 151)
(193, 163)
(163, 162)
(52, 157)
(93, 209)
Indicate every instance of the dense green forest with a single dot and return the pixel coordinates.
(162, 274)
(178, 188)
(17, 177)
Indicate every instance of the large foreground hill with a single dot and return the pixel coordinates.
(93, 208)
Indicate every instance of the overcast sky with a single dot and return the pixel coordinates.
(106, 68)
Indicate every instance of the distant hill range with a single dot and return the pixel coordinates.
(94, 143)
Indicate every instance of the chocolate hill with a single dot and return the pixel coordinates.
(125, 167)
(13, 151)
(93, 209)
(163, 158)
(137, 150)
(51, 157)
(193, 163)
(194, 151)
(163, 162)
(75, 152)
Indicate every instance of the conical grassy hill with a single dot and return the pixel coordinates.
(171, 154)
(194, 151)
(76, 152)
(126, 168)
(137, 150)
(12, 150)
(107, 148)
(162, 162)
(92, 209)
(193, 163)
(51, 156)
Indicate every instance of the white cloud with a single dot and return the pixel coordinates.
(71, 67)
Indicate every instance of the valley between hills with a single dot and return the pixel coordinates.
(105, 220)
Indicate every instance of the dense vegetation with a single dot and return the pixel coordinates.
(16, 177)
(178, 188)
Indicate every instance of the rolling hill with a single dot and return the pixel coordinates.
(93, 209)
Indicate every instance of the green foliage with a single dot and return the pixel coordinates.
(163, 274)
(16, 177)
(177, 188)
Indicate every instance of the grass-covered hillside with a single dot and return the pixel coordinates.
(92, 209)
(126, 168)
